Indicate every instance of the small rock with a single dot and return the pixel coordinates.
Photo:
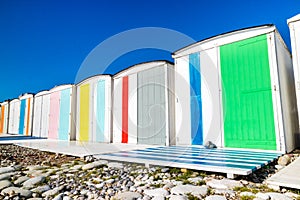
(6, 170)
(246, 194)
(215, 197)
(21, 180)
(128, 196)
(110, 181)
(164, 170)
(6, 176)
(76, 167)
(284, 160)
(210, 145)
(168, 186)
(195, 180)
(244, 182)
(292, 195)
(274, 187)
(194, 190)
(262, 196)
(35, 167)
(52, 192)
(156, 192)
(116, 165)
(177, 197)
(34, 181)
(228, 192)
(279, 167)
(158, 198)
(41, 189)
(5, 184)
(22, 192)
(278, 196)
(58, 197)
(223, 184)
(94, 164)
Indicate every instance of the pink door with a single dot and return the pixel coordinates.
(54, 115)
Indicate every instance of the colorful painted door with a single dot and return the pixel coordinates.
(152, 107)
(100, 112)
(54, 115)
(84, 112)
(22, 117)
(247, 94)
(65, 114)
(2, 119)
(195, 99)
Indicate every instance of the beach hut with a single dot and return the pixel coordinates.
(14, 116)
(143, 104)
(41, 114)
(4, 117)
(61, 113)
(236, 90)
(294, 25)
(26, 108)
(94, 109)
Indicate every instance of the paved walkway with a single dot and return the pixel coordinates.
(288, 176)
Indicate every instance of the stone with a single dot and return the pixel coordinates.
(16, 190)
(21, 180)
(34, 181)
(278, 196)
(128, 196)
(177, 197)
(52, 192)
(76, 167)
(66, 198)
(185, 189)
(263, 196)
(223, 184)
(292, 195)
(229, 192)
(41, 189)
(58, 197)
(246, 194)
(158, 198)
(279, 167)
(210, 145)
(116, 165)
(94, 164)
(156, 192)
(6, 170)
(35, 167)
(5, 184)
(195, 180)
(164, 170)
(35, 198)
(284, 160)
(5, 176)
(110, 181)
(215, 197)
(168, 186)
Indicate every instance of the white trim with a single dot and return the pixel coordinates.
(278, 117)
(60, 88)
(293, 19)
(223, 39)
(44, 92)
(26, 96)
(167, 138)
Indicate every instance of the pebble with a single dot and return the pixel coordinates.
(215, 197)
(284, 160)
(185, 189)
(21, 180)
(94, 164)
(246, 194)
(195, 180)
(6, 170)
(263, 196)
(278, 196)
(128, 196)
(156, 192)
(34, 181)
(23, 192)
(52, 192)
(5, 184)
(115, 165)
(224, 184)
(164, 170)
(177, 197)
(41, 189)
(5, 176)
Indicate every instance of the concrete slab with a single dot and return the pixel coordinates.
(76, 148)
(288, 176)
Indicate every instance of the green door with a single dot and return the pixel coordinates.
(247, 95)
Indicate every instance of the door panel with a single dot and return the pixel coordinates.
(247, 94)
(84, 112)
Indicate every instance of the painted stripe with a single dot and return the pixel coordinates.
(22, 116)
(125, 110)
(100, 113)
(28, 115)
(2, 119)
(201, 157)
(125, 154)
(65, 115)
(195, 101)
(84, 112)
(54, 115)
(211, 155)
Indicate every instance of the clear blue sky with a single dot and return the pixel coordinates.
(44, 42)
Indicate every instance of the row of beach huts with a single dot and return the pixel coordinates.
(237, 90)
